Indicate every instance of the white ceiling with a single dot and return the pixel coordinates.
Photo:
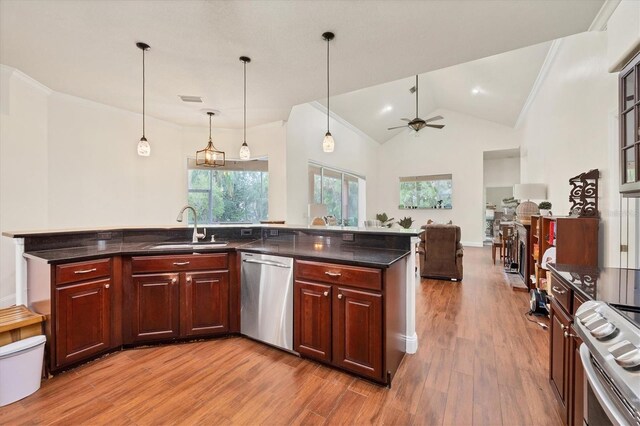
(87, 48)
(503, 83)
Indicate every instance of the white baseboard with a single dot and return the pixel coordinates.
(471, 244)
(8, 300)
(412, 343)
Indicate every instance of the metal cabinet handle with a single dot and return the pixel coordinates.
(181, 263)
(333, 274)
(567, 335)
(107, 286)
(188, 279)
(326, 293)
(559, 290)
(174, 280)
(563, 327)
(339, 296)
(85, 271)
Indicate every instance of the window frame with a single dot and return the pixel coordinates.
(423, 178)
(344, 190)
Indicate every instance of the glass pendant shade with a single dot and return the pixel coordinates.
(328, 144)
(144, 149)
(245, 152)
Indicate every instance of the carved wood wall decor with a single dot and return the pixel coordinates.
(584, 194)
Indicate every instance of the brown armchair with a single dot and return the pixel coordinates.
(440, 252)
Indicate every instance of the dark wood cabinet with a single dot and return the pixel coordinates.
(312, 319)
(357, 331)
(576, 415)
(560, 352)
(83, 320)
(170, 297)
(629, 107)
(156, 307)
(205, 303)
(351, 317)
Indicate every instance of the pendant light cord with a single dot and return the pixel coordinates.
(210, 115)
(245, 102)
(143, 95)
(328, 41)
(417, 97)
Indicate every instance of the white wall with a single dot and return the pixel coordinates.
(456, 149)
(23, 166)
(570, 128)
(354, 152)
(501, 172)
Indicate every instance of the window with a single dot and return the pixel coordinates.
(235, 193)
(342, 193)
(425, 192)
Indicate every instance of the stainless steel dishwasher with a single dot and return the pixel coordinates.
(267, 299)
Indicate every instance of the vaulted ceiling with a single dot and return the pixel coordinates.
(494, 88)
(87, 48)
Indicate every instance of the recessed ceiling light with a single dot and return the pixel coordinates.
(387, 108)
(475, 90)
(194, 99)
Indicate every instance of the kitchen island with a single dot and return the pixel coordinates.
(106, 289)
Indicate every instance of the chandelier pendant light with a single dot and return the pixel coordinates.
(144, 149)
(328, 143)
(210, 156)
(245, 152)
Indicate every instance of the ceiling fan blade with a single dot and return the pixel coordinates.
(437, 117)
(405, 119)
(435, 126)
(393, 128)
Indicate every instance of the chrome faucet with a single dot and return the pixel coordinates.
(196, 235)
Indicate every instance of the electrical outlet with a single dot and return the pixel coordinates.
(104, 236)
(273, 232)
(246, 232)
(348, 237)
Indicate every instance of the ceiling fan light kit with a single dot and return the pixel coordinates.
(328, 144)
(144, 149)
(245, 152)
(418, 123)
(210, 156)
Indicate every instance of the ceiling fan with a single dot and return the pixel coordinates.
(418, 123)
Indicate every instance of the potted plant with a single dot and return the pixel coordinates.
(384, 220)
(405, 222)
(545, 208)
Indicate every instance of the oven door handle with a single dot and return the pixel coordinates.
(599, 389)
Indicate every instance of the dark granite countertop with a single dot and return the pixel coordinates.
(611, 285)
(359, 256)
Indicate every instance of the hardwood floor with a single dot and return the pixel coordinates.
(479, 362)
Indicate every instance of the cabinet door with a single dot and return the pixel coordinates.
(577, 381)
(156, 311)
(559, 365)
(357, 331)
(83, 319)
(205, 303)
(312, 320)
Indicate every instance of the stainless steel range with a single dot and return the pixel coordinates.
(611, 358)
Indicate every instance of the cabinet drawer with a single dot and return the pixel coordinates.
(352, 276)
(187, 262)
(561, 293)
(82, 271)
(578, 300)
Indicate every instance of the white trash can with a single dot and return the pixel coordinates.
(20, 368)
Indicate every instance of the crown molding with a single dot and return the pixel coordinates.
(26, 79)
(542, 75)
(599, 23)
(317, 105)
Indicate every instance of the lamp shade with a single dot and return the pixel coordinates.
(530, 191)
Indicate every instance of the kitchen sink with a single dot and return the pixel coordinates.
(190, 246)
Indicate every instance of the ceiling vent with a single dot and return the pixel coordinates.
(192, 99)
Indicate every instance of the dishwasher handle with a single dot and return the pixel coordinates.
(267, 262)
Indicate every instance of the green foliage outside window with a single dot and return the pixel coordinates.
(426, 194)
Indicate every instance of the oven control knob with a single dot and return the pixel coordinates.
(626, 354)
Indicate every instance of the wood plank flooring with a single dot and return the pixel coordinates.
(479, 362)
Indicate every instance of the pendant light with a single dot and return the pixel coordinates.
(245, 152)
(144, 149)
(328, 143)
(210, 156)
